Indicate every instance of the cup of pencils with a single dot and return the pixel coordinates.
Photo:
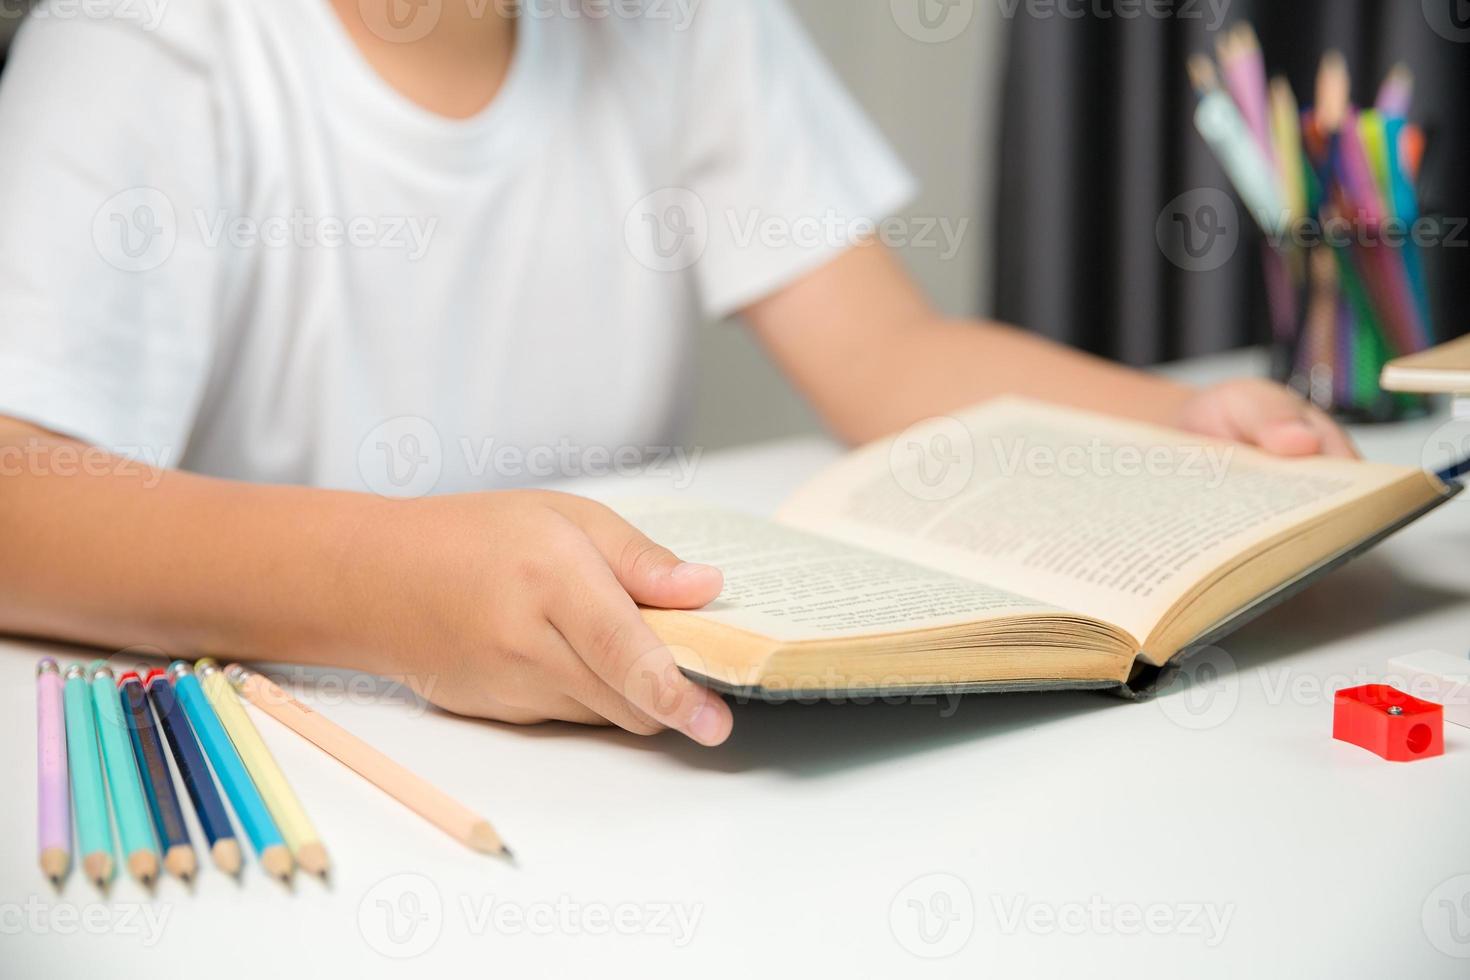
(1333, 190)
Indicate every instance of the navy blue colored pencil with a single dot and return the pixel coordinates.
(189, 757)
(158, 782)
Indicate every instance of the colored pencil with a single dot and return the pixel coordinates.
(1397, 92)
(53, 797)
(189, 758)
(1219, 121)
(89, 794)
(1287, 136)
(124, 783)
(264, 835)
(296, 827)
(1244, 70)
(408, 788)
(1412, 145)
(1388, 279)
(158, 782)
(1406, 207)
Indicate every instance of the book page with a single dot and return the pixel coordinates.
(1111, 519)
(792, 586)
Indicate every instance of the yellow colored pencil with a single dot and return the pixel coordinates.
(296, 827)
(412, 790)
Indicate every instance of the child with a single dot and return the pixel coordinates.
(252, 250)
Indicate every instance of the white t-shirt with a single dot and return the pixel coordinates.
(228, 245)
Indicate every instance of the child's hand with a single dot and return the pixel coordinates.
(522, 607)
(1267, 415)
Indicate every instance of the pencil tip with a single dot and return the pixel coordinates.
(1202, 73)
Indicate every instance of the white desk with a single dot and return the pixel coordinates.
(1216, 832)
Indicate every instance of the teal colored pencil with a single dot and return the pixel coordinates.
(89, 795)
(264, 835)
(134, 824)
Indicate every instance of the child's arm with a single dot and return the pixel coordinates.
(874, 357)
(517, 606)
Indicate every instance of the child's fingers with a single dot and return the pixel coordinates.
(1335, 442)
(604, 627)
(1281, 423)
(578, 681)
(650, 573)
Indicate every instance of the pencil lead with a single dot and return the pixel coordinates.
(1334, 86)
(1202, 74)
(1246, 37)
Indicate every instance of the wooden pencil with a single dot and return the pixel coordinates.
(124, 782)
(158, 783)
(88, 791)
(251, 810)
(189, 757)
(53, 793)
(408, 788)
(290, 816)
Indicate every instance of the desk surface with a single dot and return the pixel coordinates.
(1218, 831)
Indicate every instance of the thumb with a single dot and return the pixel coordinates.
(652, 574)
(1280, 425)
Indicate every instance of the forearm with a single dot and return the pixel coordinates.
(108, 552)
(873, 356)
(940, 366)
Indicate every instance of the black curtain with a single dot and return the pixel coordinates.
(1098, 138)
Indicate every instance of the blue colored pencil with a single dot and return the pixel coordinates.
(124, 783)
(210, 808)
(158, 782)
(88, 792)
(264, 835)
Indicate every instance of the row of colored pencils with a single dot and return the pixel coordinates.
(98, 740)
(1333, 188)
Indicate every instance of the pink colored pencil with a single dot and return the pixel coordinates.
(53, 791)
(1396, 94)
(1244, 70)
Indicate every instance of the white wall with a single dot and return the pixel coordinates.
(938, 103)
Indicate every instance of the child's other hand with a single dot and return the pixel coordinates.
(523, 607)
(1260, 413)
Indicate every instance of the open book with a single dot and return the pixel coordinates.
(1015, 547)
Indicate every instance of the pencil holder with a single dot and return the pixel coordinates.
(1333, 190)
(1342, 305)
(1345, 270)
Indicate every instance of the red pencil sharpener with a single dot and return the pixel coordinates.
(1388, 722)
